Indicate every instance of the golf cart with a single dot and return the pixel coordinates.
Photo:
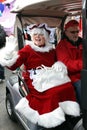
(55, 13)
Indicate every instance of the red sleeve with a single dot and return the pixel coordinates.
(63, 54)
(23, 55)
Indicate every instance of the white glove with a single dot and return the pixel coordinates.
(11, 47)
(8, 54)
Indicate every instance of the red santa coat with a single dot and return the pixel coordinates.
(71, 56)
(48, 106)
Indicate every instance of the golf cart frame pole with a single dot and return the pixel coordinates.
(84, 70)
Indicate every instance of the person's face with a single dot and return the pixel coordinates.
(72, 33)
(38, 39)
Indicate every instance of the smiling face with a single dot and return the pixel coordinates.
(38, 39)
(39, 36)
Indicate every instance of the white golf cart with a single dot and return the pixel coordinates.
(55, 13)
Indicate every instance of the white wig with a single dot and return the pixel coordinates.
(38, 30)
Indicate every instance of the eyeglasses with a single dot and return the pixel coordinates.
(73, 32)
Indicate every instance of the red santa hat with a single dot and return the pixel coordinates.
(71, 23)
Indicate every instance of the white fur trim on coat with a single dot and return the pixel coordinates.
(47, 120)
(51, 119)
(8, 62)
(46, 48)
(70, 108)
(49, 77)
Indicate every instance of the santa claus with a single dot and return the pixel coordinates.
(51, 94)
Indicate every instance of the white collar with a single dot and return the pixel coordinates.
(46, 48)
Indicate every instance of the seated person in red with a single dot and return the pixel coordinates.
(51, 94)
(69, 51)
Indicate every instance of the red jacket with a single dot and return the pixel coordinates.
(71, 56)
(46, 105)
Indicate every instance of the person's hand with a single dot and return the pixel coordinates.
(11, 47)
(8, 54)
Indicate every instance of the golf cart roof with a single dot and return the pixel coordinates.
(48, 8)
(52, 12)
